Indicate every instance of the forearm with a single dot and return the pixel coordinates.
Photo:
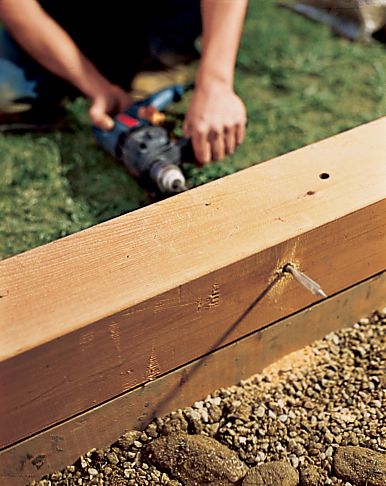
(49, 44)
(222, 26)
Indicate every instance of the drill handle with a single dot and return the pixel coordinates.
(161, 99)
(108, 139)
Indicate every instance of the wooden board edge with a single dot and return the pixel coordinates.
(120, 263)
(115, 355)
(62, 444)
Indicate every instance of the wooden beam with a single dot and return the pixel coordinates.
(61, 445)
(96, 314)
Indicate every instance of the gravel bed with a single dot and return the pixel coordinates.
(303, 410)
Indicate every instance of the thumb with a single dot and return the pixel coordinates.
(98, 115)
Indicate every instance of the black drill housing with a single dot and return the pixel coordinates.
(139, 148)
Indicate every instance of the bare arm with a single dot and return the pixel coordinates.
(216, 117)
(54, 49)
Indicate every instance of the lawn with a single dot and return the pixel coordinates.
(300, 84)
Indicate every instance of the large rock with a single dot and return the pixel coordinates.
(196, 460)
(360, 466)
(278, 473)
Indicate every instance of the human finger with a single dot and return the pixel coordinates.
(230, 139)
(240, 133)
(201, 147)
(99, 117)
(217, 144)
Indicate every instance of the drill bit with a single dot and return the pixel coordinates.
(305, 280)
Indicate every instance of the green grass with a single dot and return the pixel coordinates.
(300, 84)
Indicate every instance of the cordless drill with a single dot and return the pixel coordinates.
(144, 148)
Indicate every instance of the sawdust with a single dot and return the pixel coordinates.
(302, 359)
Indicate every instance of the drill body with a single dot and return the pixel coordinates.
(143, 148)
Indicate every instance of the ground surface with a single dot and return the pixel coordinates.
(304, 410)
(300, 84)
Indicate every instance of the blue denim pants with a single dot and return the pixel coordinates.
(23, 82)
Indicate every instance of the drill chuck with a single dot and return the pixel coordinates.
(168, 177)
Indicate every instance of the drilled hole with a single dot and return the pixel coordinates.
(324, 175)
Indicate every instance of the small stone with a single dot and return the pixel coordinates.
(329, 438)
(137, 444)
(260, 412)
(260, 456)
(335, 339)
(272, 474)
(152, 433)
(360, 466)
(280, 403)
(92, 471)
(212, 429)
(195, 414)
(294, 461)
(194, 420)
(127, 440)
(90, 452)
(215, 413)
(364, 321)
(329, 452)
(99, 455)
(199, 404)
(176, 423)
(310, 475)
(204, 415)
(112, 458)
(242, 411)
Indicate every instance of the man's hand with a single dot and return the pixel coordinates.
(106, 103)
(216, 117)
(215, 121)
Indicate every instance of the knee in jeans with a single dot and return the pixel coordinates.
(14, 86)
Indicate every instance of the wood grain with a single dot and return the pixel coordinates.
(96, 314)
(63, 444)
